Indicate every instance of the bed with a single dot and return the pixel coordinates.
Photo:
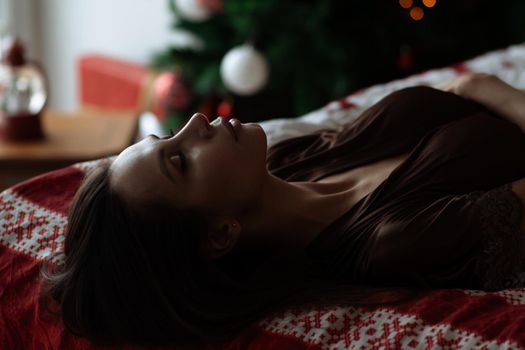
(33, 219)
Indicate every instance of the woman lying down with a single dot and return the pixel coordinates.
(193, 237)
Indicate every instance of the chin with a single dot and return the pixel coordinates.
(264, 140)
(256, 129)
(256, 142)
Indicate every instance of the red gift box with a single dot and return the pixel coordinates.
(107, 82)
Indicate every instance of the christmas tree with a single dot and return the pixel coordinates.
(262, 59)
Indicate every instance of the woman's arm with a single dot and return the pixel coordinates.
(491, 92)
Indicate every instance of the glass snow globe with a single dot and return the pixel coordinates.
(23, 95)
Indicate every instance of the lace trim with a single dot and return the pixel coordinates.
(501, 263)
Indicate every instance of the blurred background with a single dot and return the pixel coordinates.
(249, 59)
(57, 33)
(305, 52)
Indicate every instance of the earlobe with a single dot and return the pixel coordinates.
(222, 239)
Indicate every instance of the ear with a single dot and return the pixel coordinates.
(221, 238)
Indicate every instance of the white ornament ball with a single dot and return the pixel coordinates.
(244, 70)
(192, 10)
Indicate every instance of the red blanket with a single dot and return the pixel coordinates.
(32, 222)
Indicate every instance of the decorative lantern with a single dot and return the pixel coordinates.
(23, 95)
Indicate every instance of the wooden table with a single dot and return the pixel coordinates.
(70, 138)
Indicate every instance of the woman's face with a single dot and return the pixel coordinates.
(203, 167)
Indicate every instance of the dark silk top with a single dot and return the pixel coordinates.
(419, 227)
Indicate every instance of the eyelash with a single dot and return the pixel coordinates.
(168, 136)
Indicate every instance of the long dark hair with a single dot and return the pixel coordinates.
(136, 276)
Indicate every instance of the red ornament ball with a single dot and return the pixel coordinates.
(211, 5)
(170, 93)
(225, 109)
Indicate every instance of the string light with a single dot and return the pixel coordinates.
(416, 13)
(429, 3)
(406, 4)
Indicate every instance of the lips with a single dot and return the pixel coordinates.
(236, 126)
(230, 128)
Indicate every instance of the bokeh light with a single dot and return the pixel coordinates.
(416, 13)
(406, 3)
(429, 3)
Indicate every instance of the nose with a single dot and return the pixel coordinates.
(199, 115)
(200, 122)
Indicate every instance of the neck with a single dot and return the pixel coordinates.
(290, 215)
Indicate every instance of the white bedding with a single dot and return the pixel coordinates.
(508, 64)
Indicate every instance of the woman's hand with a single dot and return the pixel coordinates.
(466, 84)
(493, 93)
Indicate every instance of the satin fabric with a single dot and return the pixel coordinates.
(420, 226)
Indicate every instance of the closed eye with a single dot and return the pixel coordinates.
(179, 161)
(170, 135)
